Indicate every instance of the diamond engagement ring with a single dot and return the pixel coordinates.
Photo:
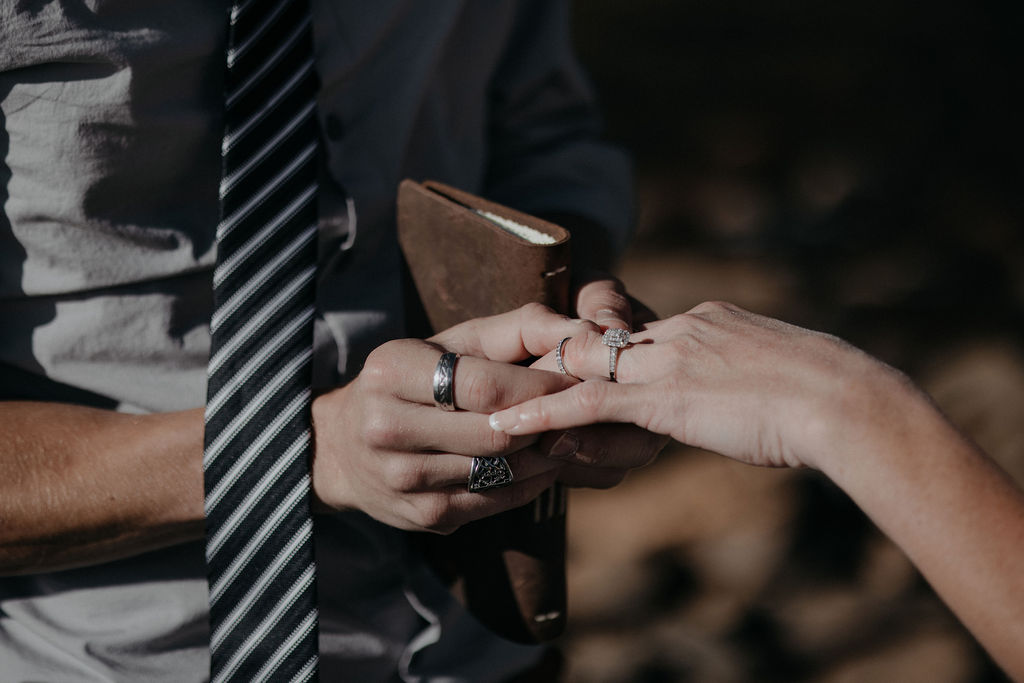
(488, 473)
(615, 339)
(444, 381)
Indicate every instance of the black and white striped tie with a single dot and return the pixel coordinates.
(259, 544)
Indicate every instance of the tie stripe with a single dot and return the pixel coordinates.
(243, 129)
(238, 515)
(270, 272)
(257, 546)
(229, 265)
(261, 189)
(241, 608)
(273, 347)
(259, 550)
(230, 475)
(236, 51)
(277, 618)
(271, 145)
(267, 672)
(254, 326)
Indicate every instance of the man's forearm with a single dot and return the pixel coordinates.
(80, 486)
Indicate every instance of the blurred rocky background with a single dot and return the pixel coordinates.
(848, 166)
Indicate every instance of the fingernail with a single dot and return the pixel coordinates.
(565, 447)
(503, 421)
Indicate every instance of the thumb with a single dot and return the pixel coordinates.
(603, 299)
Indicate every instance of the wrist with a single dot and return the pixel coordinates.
(876, 414)
(329, 426)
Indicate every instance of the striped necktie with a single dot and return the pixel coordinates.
(259, 543)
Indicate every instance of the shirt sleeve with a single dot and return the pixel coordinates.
(546, 155)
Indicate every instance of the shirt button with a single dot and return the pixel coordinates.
(335, 129)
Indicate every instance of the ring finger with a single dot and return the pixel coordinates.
(586, 357)
(479, 385)
(434, 471)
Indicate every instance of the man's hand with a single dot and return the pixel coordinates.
(383, 447)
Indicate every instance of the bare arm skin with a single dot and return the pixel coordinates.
(79, 485)
(771, 394)
(954, 512)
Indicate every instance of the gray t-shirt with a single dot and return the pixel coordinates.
(110, 138)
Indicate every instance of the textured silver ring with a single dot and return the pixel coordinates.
(488, 473)
(444, 381)
(615, 339)
(560, 360)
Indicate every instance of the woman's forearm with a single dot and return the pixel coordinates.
(951, 509)
(80, 485)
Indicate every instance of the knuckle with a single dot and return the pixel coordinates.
(483, 391)
(460, 336)
(377, 368)
(580, 348)
(433, 513)
(378, 429)
(690, 328)
(680, 320)
(541, 416)
(404, 476)
(535, 310)
(679, 324)
(500, 442)
(713, 307)
(589, 398)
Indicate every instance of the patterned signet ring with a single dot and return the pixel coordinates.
(444, 381)
(488, 473)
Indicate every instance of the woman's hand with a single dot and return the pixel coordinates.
(768, 393)
(724, 379)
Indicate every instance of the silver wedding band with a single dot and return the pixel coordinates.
(488, 473)
(560, 360)
(444, 381)
(615, 339)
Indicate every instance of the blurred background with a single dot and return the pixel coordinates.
(847, 166)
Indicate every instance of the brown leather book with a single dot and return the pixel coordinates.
(468, 258)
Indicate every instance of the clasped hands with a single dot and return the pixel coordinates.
(383, 447)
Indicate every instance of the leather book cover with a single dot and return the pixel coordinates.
(469, 258)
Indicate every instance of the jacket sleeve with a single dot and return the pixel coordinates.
(546, 155)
